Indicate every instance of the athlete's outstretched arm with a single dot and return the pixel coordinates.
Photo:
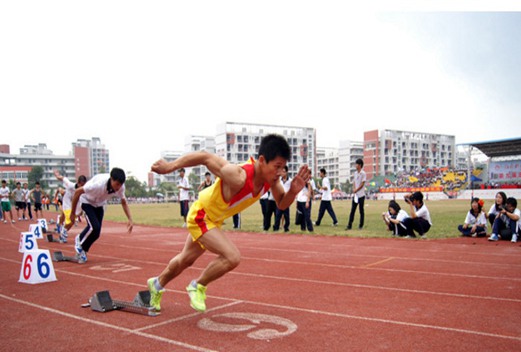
(213, 162)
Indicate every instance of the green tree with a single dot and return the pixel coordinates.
(194, 181)
(134, 188)
(36, 175)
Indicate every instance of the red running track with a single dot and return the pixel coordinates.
(290, 293)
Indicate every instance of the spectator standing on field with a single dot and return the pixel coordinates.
(358, 195)
(325, 203)
(19, 201)
(184, 195)
(285, 180)
(5, 194)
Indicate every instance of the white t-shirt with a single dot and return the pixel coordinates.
(303, 195)
(402, 215)
(70, 189)
(518, 213)
(96, 191)
(286, 184)
(4, 193)
(359, 178)
(183, 193)
(481, 220)
(26, 192)
(423, 212)
(493, 210)
(326, 193)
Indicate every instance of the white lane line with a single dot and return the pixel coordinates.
(300, 280)
(387, 321)
(106, 325)
(188, 316)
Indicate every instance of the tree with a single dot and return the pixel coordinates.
(134, 188)
(35, 175)
(194, 181)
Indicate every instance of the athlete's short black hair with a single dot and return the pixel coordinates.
(118, 174)
(274, 145)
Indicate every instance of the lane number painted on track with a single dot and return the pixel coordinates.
(254, 323)
(115, 268)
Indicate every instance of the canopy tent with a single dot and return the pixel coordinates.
(499, 148)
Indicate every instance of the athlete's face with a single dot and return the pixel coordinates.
(116, 185)
(274, 169)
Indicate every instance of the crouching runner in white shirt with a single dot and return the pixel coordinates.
(94, 195)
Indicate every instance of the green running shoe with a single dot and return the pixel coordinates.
(197, 294)
(155, 295)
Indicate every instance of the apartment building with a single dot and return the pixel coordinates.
(236, 142)
(391, 151)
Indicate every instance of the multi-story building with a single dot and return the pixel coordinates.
(91, 157)
(236, 142)
(348, 153)
(19, 165)
(328, 159)
(87, 158)
(391, 151)
(199, 143)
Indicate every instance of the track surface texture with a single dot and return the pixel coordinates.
(290, 293)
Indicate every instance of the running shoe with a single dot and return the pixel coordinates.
(493, 237)
(514, 238)
(155, 295)
(63, 236)
(82, 257)
(197, 294)
(77, 245)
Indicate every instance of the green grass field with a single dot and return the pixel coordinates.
(446, 216)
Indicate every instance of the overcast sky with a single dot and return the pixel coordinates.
(142, 75)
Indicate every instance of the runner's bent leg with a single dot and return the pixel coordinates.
(228, 258)
(191, 251)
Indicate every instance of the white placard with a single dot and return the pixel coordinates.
(37, 230)
(37, 267)
(27, 242)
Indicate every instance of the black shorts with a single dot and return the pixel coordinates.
(20, 205)
(37, 206)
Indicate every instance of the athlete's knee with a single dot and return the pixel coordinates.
(233, 259)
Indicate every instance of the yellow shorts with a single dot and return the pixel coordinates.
(198, 223)
(67, 214)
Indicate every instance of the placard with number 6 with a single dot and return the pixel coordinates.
(37, 267)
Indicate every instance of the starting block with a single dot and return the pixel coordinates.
(59, 257)
(50, 238)
(102, 302)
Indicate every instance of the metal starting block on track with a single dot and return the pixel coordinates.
(50, 238)
(102, 302)
(59, 257)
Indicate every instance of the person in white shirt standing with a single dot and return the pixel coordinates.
(358, 195)
(94, 195)
(325, 203)
(184, 196)
(5, 194)
(286, 184)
